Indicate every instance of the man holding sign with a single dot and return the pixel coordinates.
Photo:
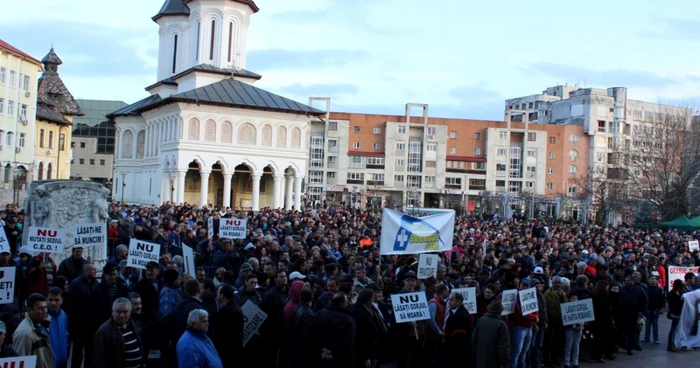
(525, 318)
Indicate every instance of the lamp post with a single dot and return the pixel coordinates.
(123, 186)
(172, 193)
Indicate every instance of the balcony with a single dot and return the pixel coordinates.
(453, 186)
(381, 167)
(355, 181)
(465, 170)
(374, 182)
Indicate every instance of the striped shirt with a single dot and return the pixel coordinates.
(133, 356)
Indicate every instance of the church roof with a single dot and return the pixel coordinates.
(172, 7)
(250, 3)
(227, 93)
(54, 100)
(207, 68)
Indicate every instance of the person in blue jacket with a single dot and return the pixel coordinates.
(195, 349)
(59, 327)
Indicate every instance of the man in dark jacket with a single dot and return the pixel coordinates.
(72, 267)
(176, 323)
(303, 350)
(117, 341)
(273, 329)
(335, 332)
(79, 307)
(367, 334)
(458, 332)
(228, 335)
(656, 303)
(106, 292)
(491, 339)
(633, 300)
(149, 289)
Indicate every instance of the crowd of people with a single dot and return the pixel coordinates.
(319, 277)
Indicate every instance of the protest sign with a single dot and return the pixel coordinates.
(577, 312)
(405, 234)
(232, 228)
(19, 362)
(210, 227)
(410, 307)
(4, 243)
(188, 255)
(693, 246)
(142, 252)
(7, 285)
(42, 239)
(427, 266)
(90, 235)
(469, 295)
(253, 318)
(508, 301)
(678, 273)
(528, 301)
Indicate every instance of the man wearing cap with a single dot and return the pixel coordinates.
(106, 292)
(491, 338)
(245, 270)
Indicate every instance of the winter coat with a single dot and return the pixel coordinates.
(303, 351)
(178, 318)
(71, 269)
(553, 302)
(59, 337)
(294, 296)
(29, 340)
(36, 276)
(102, 301)
(458, 336)
(108, 351)
(335, 331)
(79, 306)
(228, 335)
(491, 342)
(366, 333)
(633, 300)
(149, 298)
(196, 350)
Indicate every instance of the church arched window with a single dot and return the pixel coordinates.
(230, 40)
(211, 42)
(199, 31)
(174, 53)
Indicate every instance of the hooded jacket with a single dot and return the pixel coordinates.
(295, 297)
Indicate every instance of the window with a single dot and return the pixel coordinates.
(453, 150)
(401, 162)
(72, 144)
(25, 83)
(355, 145)
(357, 129)
(500, 183)
(22, 139)
(551, 155)
(330, 175)
(398, 178)
(480, 165)
(400, 146)
(10, 139)
(402, 129)
(414, 181)
(500, 167)
(92, 161)
(357, 162)
(501, 151)
(356, 176)
(199, 31)
(3, 71)
(431, 131)
(315, 177)
(23, 112)
(375, 161)
(377, 177)
(550, 171)
(332, 126)
(430, 179)
(478, 184)
(332, 143)
(62, 142)
(41, 138)
(503, 135)
(377, 146)
(477, 151)
(573, 154)
(82, 161)
(531, 169)
(529, 184)
(477, 136)
(550, 186)
(50, 139)
(532, 153)
(13, 78)
(377, 130)
(573, 169)
(102, 162)
(573, 138)
(552, 140)
(332, 159)
(453, 181)
(211, 42)
(82, 144)
(430, 164)
(230, 40)
(531, 137)
(2, 106)
(10, 108)
(453, 135)
(174, 53)
(572, 190)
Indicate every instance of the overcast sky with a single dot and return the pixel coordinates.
(462, 57)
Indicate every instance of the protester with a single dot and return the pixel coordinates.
(195, 349)
(58, 328)
(457, 333)
(32, 337)
(675, 306)
(491, 339)
(6, 351)
(118, 341)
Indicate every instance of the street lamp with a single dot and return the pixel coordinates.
(123, 186)
(172, 193)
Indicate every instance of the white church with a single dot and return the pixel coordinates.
(206, 135)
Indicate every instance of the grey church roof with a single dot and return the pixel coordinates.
(227, 93)
(172, 7)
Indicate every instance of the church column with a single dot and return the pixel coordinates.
(164, 187)
(204, 189)
(180, 187)
(277, 191)
(227, 190)
(297, 192)
(288, 195)
(256, 191)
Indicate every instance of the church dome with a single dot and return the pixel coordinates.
(172, 7)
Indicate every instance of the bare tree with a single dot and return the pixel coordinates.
(663, 163)
(605, 194)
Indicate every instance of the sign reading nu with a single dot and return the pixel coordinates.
(410, 307)
(232, 228)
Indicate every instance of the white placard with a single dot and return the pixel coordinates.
(405, 234)
(678, 273)
(210, 227)
(508, 299)
(19, 362)
(43, 239)
(577, 312)
(253, 318)
(4, 243)
(528, 301)
(142, 252)
(469, 295)
(232, 228)
(7, 285)
(693, 245)
(410, 307)
(188, 255)
(427, 265)
(90, 235)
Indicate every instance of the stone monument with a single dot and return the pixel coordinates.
(64, 203)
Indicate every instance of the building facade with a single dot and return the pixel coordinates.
(93, 141)
(56, 108)
(18, 108)
(206, 135)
